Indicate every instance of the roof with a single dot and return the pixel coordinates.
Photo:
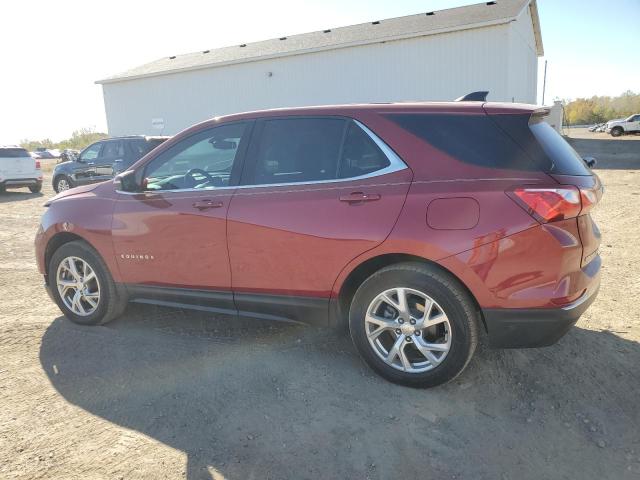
(429, 23)
(349, 109)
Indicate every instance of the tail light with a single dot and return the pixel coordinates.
(37, 164)
(548, 204)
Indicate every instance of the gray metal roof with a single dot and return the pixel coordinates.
(428, 23)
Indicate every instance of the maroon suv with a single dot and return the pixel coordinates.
(418, 225)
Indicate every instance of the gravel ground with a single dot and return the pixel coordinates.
(164, 393)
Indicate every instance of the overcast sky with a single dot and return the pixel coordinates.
(53, 51)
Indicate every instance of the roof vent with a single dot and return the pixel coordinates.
(377, 22)
(243, 45)
(283, 38)
(206, 51)
(428, 14)
(491, 3)
(172, 57)
(327, 30)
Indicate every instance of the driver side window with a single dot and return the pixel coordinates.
(204, 160)
(91, 153)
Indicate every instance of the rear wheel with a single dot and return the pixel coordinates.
(36, 188)
(82, 285)
(414, 325)
(616, 131)
(62, 183)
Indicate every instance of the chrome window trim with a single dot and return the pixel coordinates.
(396, 164)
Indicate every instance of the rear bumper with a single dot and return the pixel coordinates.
(536, 327)
(20, 182)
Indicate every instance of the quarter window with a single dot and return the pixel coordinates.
(204, 160)
(360, 155)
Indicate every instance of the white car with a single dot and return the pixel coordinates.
(624, 126)
(19, 169)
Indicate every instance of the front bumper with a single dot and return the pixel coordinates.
(535, 327)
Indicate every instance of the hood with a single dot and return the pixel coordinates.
(71, 192)
(617, 120)
(62, 164)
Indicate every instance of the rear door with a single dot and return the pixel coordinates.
(316, 193)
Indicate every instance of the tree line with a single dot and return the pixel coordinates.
(79, 140)
(583, 111)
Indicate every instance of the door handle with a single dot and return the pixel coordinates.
(359, 197)
(205, 204)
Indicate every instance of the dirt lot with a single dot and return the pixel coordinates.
(164, 393)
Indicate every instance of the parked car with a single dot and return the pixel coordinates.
(68, 154)
(417, 225)
(47, 153)
(624, 126)
(102, 160)
(19, 169)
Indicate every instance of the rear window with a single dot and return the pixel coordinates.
(565, 160)
(473, 139)
(13, 153)
(542, 144)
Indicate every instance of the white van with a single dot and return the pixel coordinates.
(19, 169)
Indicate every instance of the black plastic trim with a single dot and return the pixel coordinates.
(288, 308)
(308, 310)
(533, 327)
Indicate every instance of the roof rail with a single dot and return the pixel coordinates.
(480, 96)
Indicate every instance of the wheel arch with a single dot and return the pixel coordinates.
(371, 265)
(57, 241)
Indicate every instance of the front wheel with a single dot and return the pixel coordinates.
(616, 131)
(414, 325)
(82, 285)
(62, 183)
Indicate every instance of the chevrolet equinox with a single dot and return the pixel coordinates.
(417, 225)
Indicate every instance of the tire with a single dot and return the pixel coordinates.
(61, 183)
(616, 131)
(111, 300)
(3, 188)
(36, 188)
(458, 330)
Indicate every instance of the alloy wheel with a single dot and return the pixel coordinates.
(78, 286)
(63, 184)
(408, 330)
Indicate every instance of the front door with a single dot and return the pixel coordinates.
(112, 152)
(315, 194)
(172, 239)
(84, 169)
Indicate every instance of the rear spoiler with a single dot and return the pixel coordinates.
(480, 96)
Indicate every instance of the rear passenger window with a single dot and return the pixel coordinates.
(473, 139)
(298, 150)
(295, 150)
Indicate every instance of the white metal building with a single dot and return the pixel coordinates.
(437, 55)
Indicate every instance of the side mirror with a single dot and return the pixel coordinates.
(590, 161)
(127, 182)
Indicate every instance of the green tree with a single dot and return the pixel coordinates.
(601, 109)
(79, 140)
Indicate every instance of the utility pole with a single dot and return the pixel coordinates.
(544, 82)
